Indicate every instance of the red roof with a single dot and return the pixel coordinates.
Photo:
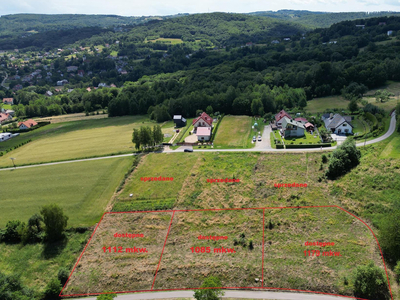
(3, 117)
(309, 125)
(206, 118)
(6, 100)
(282, 114)
(301, 120)
(29, 123)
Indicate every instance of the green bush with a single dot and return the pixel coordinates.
(324, 159)
(389, 235)
(371, 283)
(13, 232)
(397, 270)
(343, 159)
(63, 275)
(53, 289)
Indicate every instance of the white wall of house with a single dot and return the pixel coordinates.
(202, 138)
(343, 128)
(201, 123)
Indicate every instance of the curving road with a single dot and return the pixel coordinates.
(4, 80)
(228, 294)
(265, 148)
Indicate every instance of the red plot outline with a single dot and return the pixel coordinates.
(236, 288)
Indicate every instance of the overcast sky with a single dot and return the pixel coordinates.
(167, 7)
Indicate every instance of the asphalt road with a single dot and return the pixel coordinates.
(391, 130)
(228, 294)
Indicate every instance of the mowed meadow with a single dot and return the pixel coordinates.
(77, 139)
(82, 189)
(233, 132)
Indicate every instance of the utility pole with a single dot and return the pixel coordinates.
(12, 158)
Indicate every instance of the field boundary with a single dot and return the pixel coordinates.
(235, 288)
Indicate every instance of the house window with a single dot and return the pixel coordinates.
(346, 130)
(344, 124)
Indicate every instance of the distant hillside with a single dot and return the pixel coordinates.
(219, 28)
(314, 19)
(25, 24)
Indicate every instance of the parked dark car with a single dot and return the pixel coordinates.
(188, 150)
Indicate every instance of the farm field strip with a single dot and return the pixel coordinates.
(189, 245)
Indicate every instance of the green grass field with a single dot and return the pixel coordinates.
(71, 140)
(233, 132)
(319, 105)
(176, 165)
(167, 40)
(82, 189)
(6, 106)
(306, 139)
(392, 149)
(37, 264)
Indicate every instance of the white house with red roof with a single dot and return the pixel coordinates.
(279, 118)
(203, 120)
(27, 124)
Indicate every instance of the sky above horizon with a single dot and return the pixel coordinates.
(169, 7)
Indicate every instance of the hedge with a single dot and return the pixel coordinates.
(17, 130)
(308, 146)
(216, 128)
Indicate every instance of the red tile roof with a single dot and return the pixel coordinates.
(301, 120)
(309, 125)
(205, 117)
(6, 100)
(3, 117)
(28, 123)
(281, 114)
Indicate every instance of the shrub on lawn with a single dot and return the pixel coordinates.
(343, 159)
(370, 283)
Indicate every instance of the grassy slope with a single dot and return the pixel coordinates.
(37, 264)
(319, 105)
(153, 165)
(258, 173)
(83, 189)
(72, 140)
(233, 132)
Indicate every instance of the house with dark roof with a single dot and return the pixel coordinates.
(203, 120)
(279, 117)
(338, 124)
(179, 121)
(292, 128)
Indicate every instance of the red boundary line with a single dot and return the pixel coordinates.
(262, 262)
(69, 277)
(221, 209)
(165, 242)
(384, 264)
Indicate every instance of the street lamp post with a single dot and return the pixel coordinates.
(12, 158)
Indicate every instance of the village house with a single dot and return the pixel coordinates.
(9, 101)
(203, 120)
(5, 117)
(203, 134)
(279, 118)
(301, 120)
(27, 124)
(72, 69)
(291, 128)
(337, 124)
(179, 121)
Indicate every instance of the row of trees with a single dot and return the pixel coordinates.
(47, 226)
(147, 137)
